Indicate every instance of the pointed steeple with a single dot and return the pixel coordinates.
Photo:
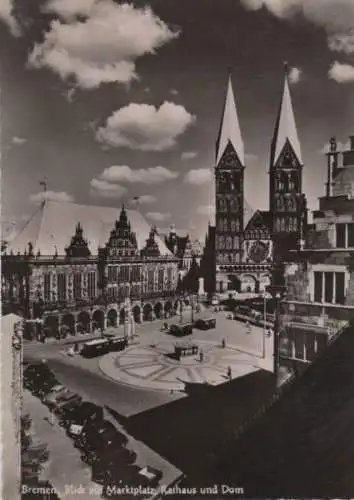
(285, 128)
(230, 128)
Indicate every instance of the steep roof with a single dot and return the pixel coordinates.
(230, 128)
(261, 219)
(285, 128)
(53, 224)
(303, 446)
(248, 212)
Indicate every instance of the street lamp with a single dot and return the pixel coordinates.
(277, 292)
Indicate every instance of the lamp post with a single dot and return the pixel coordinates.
(277, 292)
(264, 323)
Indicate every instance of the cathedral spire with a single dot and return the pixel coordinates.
(230, 128)
(285, 128)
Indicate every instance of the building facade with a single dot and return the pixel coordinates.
(67, 283)
(319, 278)
(247, 240)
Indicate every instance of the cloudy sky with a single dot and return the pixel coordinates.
(110, 100)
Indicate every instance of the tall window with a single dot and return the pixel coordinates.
(226, 226)
(77, 285)
(236, 242)
(46, 290)
(160, 279)
(91, 284)
(340, 288)
(318, 286)
(328, 283)
(351, 234)
(340, 235)
(329, 287)
(229, 243)
(151, 280)
(233, 226)
(61, 286)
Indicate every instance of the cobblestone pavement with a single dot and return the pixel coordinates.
(147, 364)
(152, 367)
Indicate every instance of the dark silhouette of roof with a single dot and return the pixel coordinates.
(260, 220)
(303, 446)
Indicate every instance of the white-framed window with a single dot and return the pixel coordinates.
(345, 235)
(329, 287)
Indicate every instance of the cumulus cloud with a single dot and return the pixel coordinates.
(158, 216)
(205, 209)
(150, 175)
(103, 189)
(341, 73)
(189, 155)
(6, 16)
(18, 140)
(51, 196)
(144, 127)
(144, 199)
(295, 75)
(98, 41)
(198, 176)
(337, 18)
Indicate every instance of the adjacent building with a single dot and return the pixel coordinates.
(73, 266)
(319, 277)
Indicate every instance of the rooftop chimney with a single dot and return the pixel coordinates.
(351, 142)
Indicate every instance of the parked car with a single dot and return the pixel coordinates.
(107, 463)
(50, 398)
(205, 324)
(181, 329)
(67, 399)
(96, 435)
(75, 419)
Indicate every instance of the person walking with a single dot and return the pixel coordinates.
(229, 373)
(223, 343)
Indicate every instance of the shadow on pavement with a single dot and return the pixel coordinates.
(192, 432)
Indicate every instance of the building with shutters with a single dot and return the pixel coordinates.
(72, 267)
(245, 240)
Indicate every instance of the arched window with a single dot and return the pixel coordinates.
(282, 224)
(226, 226)
(233, 226)
(221, 242)
(229, 243)
(221, 225)
(236, 242)
(237, 226)
(277, 225)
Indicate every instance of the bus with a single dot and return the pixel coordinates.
(205, 324)
(181, 329)
(95, 347)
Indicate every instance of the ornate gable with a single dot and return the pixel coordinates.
(78, 246)
(287, 158)
(151, 248)
(259, 224)
(229, 159)
(122, 240)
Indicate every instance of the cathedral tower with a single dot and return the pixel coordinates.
(287, 203)
(229, 177)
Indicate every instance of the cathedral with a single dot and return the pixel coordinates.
(244, 244)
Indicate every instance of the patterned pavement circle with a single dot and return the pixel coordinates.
(151, 368)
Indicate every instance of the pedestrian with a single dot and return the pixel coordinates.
(248, 327)
(223, 343)
(229, 373)
(201, 356)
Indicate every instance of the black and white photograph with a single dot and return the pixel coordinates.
(177, 249)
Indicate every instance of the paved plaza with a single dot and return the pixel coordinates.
(149, 363)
